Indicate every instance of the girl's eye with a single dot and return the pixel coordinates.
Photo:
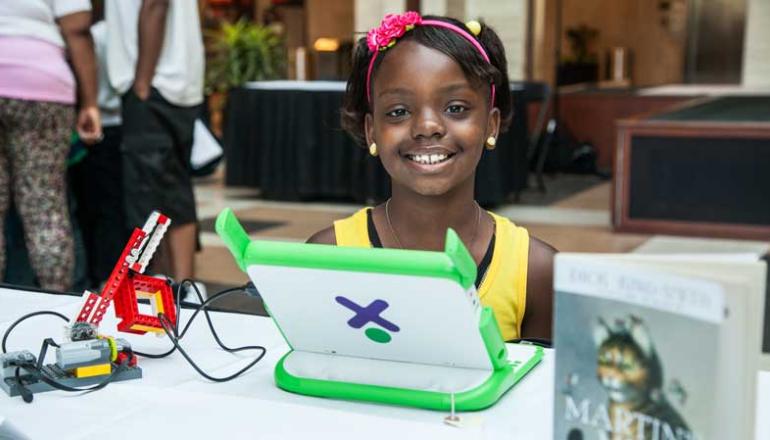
(456, 108)
(397, 113)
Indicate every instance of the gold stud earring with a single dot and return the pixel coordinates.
(373, 149)
(491, 143)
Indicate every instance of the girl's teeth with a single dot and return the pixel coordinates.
(429, 159)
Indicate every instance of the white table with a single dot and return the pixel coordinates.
(325, 86)
(172, 401)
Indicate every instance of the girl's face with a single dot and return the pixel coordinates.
(429, 122)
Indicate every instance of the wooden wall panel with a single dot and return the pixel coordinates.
(656, 40)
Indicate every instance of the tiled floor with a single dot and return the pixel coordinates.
(577, 223)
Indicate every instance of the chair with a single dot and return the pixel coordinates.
(524, 93)
(539, 143)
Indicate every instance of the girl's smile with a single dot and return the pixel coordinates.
(429, 160)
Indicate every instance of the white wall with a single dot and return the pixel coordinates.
(368, 13)
(433, 7)
(756, 49)
(508, 18)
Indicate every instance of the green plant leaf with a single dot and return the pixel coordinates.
(241, 52)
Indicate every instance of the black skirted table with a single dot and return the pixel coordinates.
(284, 137)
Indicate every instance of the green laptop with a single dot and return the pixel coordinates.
(390, 326)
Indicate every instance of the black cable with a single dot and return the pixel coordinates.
(202, 307)
(178, 307)
(27, 316)
(43, 350)
(168, 328)
(172, 331)
(26, 394)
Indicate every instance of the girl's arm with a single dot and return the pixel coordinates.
(538, 315)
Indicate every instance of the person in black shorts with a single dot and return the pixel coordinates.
(155, 61)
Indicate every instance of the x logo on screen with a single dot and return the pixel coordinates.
(370, 313)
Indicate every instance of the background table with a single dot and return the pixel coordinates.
(172, 401)
(284, 137)
(698, 168)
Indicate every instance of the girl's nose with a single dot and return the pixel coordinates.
(427, 124)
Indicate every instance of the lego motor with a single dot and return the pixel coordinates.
(91, 362)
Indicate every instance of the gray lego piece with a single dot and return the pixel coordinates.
(8, 361)
(11, 388)
(83, 353)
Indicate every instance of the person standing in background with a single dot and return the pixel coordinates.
(37, 102)
(98, 179)
(155, 61)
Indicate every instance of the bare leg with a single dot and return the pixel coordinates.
(161, 261)
(182, 240)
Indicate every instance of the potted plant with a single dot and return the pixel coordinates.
(238, 53)
(582, 66)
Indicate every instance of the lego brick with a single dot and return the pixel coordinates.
(93, 370)
(65, 378)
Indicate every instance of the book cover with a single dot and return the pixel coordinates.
(637, 353)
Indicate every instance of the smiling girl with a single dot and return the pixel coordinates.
(428, 95)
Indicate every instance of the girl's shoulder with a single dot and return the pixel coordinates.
(541, 251)
(539, 254)
(324, 236)
(352, 224)
(534, 242)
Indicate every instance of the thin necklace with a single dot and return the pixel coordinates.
(398, 242)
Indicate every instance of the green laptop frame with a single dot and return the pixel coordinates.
(455, 264)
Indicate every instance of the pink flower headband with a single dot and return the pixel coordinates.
(394, 26)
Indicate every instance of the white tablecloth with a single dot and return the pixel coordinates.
(322, 86)
(173, 401)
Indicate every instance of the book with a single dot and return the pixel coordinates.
(717, 248)
(660, 347)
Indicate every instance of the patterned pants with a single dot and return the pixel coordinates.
(34, 142)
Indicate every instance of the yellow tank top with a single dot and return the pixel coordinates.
(503, 287)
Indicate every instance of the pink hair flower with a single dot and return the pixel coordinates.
(393, 26)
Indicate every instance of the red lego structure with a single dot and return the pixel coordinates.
(90, 359)
(127, 284)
